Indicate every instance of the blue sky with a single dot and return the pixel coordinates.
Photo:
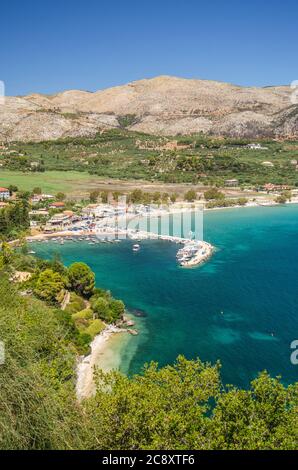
(54, 45)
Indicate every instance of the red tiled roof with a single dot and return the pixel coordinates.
(57, 204)
(3, 190)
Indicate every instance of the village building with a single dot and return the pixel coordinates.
(233, 183)
(57, 205)
(42, 212)
(4, 194)
(270, 187)
(34, 165)
(63, 220)
(59, 221)
(37, 198)
(256, 147)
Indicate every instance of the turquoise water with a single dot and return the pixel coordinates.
(240, 307)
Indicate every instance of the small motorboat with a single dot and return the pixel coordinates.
(136, 247)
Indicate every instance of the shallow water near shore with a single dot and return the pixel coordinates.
(240, 307)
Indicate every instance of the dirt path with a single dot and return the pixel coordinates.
(65, 301)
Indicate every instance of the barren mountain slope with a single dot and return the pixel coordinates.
(162, 105)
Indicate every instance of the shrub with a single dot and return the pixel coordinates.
(86, 314)
(95, 327)
(213, 193)
(190, 196)
(76, 304)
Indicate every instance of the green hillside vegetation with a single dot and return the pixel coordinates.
(86, 314)
(75, 305)
(123, 154)
(50, 281)
(94, 328)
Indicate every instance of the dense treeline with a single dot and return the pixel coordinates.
(176, 407)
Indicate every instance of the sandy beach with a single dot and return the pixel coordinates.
(99, 357)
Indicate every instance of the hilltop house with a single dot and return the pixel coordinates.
(233, 183)
(4, 194)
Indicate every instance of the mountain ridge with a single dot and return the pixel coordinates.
(161, 105)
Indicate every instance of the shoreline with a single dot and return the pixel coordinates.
(85, 386)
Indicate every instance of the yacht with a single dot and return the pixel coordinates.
(136, 247)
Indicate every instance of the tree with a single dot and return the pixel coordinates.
(48, 286)
(60, 196)
(100, 307)
(213, 193)
(184, 406)
(146, 198)
(190, 196)
(281, 199)
(37, 190)
(284, 197)
(173, 197)
(12, 189)
(94, 195)
(116, 195)
(165, 197)
(81, 278)
(6, 254)
(104, 197)
(14, 218)
(242, 201)
(106, 308)
(136, 196)
(287, 195)
(156, 197)
(23, 195)
(118, 308)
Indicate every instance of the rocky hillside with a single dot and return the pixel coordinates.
(162, 105)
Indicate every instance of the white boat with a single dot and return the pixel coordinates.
(136, 247)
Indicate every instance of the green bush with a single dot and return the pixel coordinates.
(95, 327)
(83, 343)
(86, 314)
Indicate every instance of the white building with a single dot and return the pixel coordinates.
(256, 147)
(4, 194)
